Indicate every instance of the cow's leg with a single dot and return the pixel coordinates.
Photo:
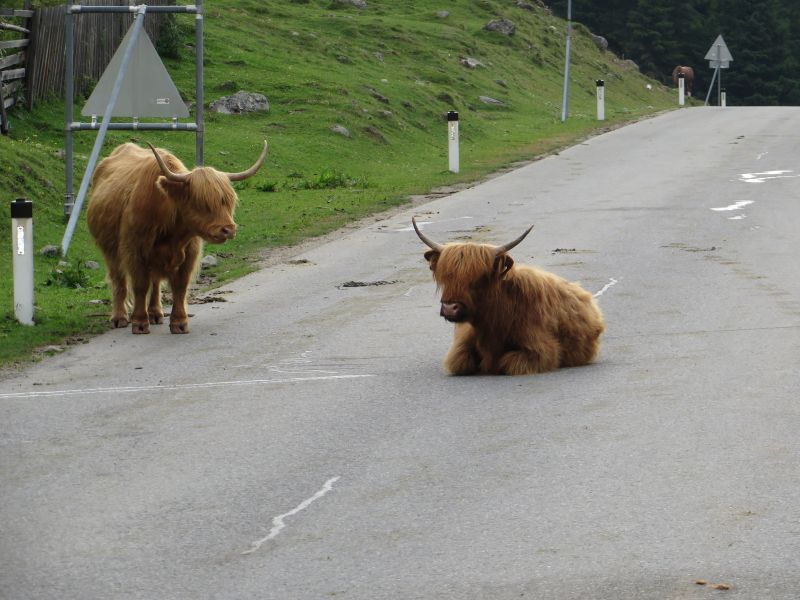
(119, 294)
(463, 357)
(179, 282)
(541, 355)
(140, 323)
(154, 309)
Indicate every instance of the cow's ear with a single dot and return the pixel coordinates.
(502, 265)
(432, 256)
(166, 185)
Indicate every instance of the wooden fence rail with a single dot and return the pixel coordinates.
(11, 79)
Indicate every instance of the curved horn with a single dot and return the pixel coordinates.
(428, 242)
(510, 245)
(252, 170)
(180, 177)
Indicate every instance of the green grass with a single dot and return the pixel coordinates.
(388, 73)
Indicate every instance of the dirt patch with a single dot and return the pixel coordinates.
(354, 284)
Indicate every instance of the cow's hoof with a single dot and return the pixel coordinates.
(119, 322)
(180, 327)
(156, 319)
(140, 328)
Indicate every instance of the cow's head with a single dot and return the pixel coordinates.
(467, 273)
(204, 197)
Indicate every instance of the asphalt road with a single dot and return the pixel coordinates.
(302, 443)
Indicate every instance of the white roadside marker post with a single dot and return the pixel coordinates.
(452, 138)
(723, 98)
(601, 100)
(22, 248)
(681, 90)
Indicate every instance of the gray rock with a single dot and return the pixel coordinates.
(240, 102)
(50, 251)
(503, 26)
(360, 4)
(488, 100)
(443, 14)
(629, 64)
(533, 5)
(471, 63)
(600, 42)
(92, 265)
(209, 261)
(341, 130)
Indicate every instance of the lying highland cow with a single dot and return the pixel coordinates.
(510, 319)
(149, 215)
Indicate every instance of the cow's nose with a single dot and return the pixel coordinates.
(450, 310)
(228, 231)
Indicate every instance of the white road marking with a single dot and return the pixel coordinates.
(611, 283)
(278, 522)
(764, 176)
(737, 218)
(738, 206)
(177, 386)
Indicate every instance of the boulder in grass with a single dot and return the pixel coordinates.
(503, 26)
(240, 102)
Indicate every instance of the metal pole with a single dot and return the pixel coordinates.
(711, 86)
(22, 248)
(565, 101)
(98, 144)
(70, 83)
(199, 97)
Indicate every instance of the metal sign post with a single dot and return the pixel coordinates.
(22, 248)
(718, 57)
(565, 101)
(98, 143)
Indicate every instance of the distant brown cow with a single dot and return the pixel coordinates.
(510, 319)
(688, 77)
(150, 215)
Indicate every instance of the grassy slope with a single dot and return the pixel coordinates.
(387, 73)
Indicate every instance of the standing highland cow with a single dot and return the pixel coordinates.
(688, 77)
(510, 319)
(150, 215)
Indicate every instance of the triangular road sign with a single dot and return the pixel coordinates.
(719, 55)
(147, 90)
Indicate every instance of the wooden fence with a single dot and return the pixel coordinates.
(13, 52)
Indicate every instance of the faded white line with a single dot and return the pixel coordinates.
(278, 523)
(738, 206)
(611, 283)
(764, 176)
(177, 386)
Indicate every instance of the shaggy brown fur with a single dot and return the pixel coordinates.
(511, 319)
(151, 228)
